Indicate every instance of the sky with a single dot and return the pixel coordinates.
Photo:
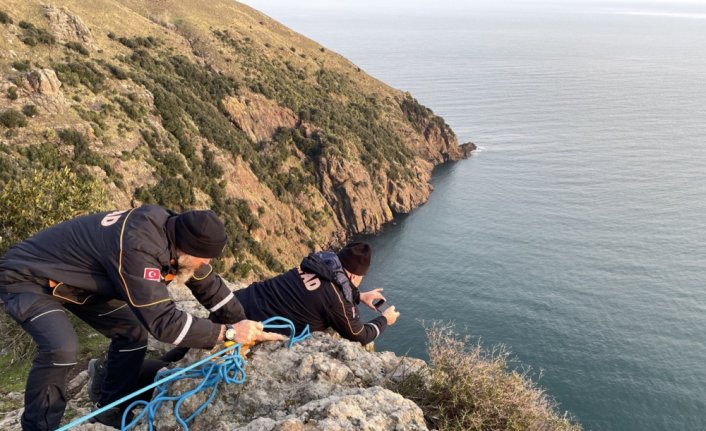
(678, 8)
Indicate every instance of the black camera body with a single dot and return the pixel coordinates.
(381, 305)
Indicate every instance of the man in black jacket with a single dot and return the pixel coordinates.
(321, 292)
(110, 269)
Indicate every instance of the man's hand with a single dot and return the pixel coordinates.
(249, 331)
(391, 314)
(367, 298)
(270, 336)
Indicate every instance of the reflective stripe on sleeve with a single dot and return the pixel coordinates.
(222, 303)
(185, 329)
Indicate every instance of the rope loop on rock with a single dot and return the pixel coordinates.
(227, 365)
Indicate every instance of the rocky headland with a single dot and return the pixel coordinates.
(213, 104)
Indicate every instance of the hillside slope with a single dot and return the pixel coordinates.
(213, 104)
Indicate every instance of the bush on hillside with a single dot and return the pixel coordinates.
(80, 72)
(78, 47)
(5, 18)
(21, 66)
(30, 204)
(467, 388)
(29, 110)
(12, 118)
(12, 93)
(34, 35)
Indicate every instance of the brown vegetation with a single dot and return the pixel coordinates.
(468, 388)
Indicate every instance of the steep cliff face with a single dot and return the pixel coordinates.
(213, 104)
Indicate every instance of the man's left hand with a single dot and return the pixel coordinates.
(367, 298)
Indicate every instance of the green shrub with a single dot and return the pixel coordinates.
(80, 72)
(41, 199)
(133, 109)
(5, 18)
(467, 388)
(139, 42)
(12, 118)
(12, 93)
(83, 154)
(78, 47)
(117, 72)
(29, 110)
(33, 35)
(44, 155)
(21, 66)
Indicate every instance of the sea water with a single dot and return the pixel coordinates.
(576, 234)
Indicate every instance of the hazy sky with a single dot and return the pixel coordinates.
(442, 7)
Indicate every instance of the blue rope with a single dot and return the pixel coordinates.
(226, 366)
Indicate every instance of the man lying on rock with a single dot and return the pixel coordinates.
(110, 269)
(321, 292)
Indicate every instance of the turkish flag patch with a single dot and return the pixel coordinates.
(152, 274)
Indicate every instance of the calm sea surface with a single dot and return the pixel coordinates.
(576, 235)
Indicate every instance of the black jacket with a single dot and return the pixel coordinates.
(124, 255)
(308, 295)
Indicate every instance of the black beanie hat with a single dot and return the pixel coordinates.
(200, 234)
(355, 257)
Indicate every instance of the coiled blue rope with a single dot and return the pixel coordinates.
(226, 366)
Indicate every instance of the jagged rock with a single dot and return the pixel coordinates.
(78, 382)
(43, 87)
(258, 116)
(403, 198)
(350, 190)
(11, 421)
(468, 148)
(323, 383)
(360, 409)
(66, 26)
(42, 82)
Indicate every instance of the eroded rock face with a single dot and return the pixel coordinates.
(66, 26)
(43, 88)
(42, 82)
(258, 116)
(349, 190)
(323, 383)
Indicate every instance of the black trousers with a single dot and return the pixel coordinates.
(43, 316)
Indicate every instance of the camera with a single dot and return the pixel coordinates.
(381, 305)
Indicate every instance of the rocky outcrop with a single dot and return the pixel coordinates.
(403, 198)
(43, 88)
(66, 26)
(321, 384)
(258, 116)
(349, 189)
(42, 82)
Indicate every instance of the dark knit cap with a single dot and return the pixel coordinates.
(200, 234)
(355, 257)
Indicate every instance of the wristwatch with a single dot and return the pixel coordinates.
(229, 334)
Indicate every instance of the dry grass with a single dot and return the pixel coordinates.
(468, 388)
